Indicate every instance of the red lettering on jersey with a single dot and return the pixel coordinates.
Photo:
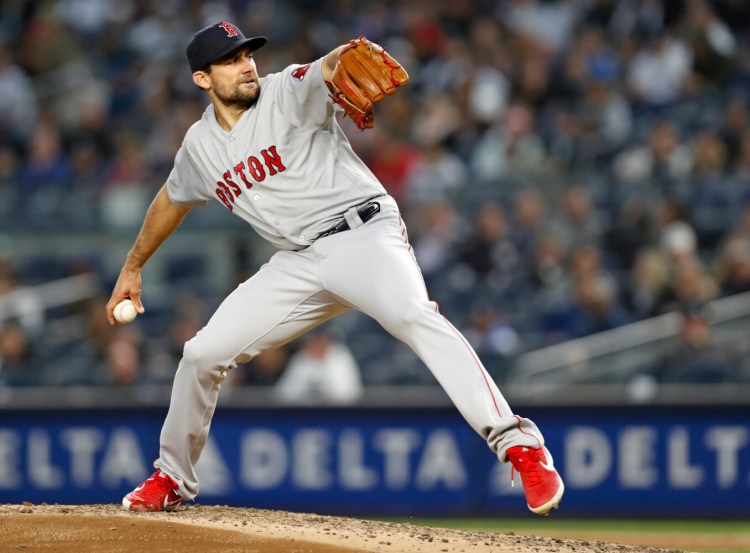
(273, 160)
(223, 199)
(229, 190)
(229, 28)
(227, 178)
(300, 72)
(226, 190)
(256, 168)
(240, 170)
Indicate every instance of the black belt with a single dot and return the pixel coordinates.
(366, 212)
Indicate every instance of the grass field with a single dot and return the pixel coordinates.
(703, 536)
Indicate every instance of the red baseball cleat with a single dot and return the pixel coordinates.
(158, 493)
(542, 485)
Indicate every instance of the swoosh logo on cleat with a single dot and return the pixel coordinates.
(168, 503)
(548, 463)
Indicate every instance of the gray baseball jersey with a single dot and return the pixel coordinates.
(287, 169)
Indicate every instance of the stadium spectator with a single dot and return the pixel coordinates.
(604, 113)
(264, 370)
(16, 356)
(662, 163)
(493, 338)
(437, 230)
(550, 24)
(392, 160)
(740, 170)
(10, 164)
(529, 128)
(18, 302)
(594, 302)
(594, 308)
(87, 167)
(509, 147)
(660, 69)
(528, 220)
(322, 371)
(547, 274)
(648, 291)
(438, 173)
(734, 273)
(628, 231)
(487, 255)
(697, 358)
(734, 122)
(712, 198)
(18, 99)
(123, 363)
(45, 174)
(733, 256)
(577, 222)
(711, 42)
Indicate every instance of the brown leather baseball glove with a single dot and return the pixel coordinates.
(363, 75)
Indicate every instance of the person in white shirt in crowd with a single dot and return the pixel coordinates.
(323, 371)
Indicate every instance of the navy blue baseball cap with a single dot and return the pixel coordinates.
(215, 42)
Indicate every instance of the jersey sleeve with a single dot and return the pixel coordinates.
(303, 96)
(184, 182)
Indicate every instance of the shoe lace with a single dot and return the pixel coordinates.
(527, 466)
(163, 482)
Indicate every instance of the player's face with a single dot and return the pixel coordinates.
(234, 79)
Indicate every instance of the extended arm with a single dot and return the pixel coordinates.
(162, 218)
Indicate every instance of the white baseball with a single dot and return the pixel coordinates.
(125, 311)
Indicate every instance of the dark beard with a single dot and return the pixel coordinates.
(237, 99)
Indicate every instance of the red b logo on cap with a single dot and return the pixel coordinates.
(229, 28)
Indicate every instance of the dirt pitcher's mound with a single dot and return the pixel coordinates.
(110, 529)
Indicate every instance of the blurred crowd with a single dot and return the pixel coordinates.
(565, 167)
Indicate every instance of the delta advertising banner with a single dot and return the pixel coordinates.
(384, 462)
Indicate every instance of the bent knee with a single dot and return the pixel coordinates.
(413, 313)
(202, 356)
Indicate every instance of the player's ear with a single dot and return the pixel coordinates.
(201, 80)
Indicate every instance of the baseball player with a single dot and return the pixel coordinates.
(271, 151)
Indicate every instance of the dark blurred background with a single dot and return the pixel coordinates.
(565, 168)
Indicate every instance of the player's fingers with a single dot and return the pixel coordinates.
(110, 310)
(127, 286)
(135, 297)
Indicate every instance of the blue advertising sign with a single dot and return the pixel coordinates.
(391, 462)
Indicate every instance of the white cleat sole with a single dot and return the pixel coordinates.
(553, 503)
(168, 507)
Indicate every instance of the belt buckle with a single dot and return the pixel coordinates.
(366, 212)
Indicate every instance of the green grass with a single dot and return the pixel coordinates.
(708, 530)
(504, 525)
